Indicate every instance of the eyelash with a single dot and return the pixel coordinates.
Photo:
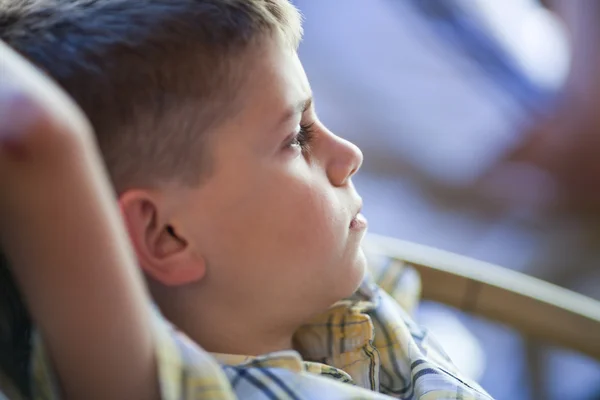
(304, 137)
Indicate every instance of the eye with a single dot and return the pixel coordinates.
(303, 138)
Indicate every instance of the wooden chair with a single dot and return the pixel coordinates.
(537, 309)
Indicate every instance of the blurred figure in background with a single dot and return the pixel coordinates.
(456, 105)
(566, 143)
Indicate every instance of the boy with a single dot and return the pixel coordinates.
(238, 201)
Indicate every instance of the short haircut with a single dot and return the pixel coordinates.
(152, 76)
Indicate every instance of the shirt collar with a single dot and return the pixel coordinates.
(288, 359)
(343, 328)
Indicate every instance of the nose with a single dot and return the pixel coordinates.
(345, 159)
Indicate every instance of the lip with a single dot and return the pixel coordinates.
(358, 223)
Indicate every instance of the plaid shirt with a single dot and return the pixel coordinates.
(365, 347)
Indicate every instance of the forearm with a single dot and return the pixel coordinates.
(62, 233)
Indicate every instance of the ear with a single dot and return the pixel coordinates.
(163, 253)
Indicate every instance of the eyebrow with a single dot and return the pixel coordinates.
(299, 108)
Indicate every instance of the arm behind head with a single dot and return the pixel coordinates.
(68, 250)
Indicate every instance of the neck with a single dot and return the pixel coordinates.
(223, 330)
(237, 339)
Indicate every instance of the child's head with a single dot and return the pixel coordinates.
(238, 200)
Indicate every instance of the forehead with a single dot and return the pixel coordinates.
(274, 82)
(277, 80)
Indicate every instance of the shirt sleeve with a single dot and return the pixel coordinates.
(185, 371)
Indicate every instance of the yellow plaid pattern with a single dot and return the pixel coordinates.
(365, 347)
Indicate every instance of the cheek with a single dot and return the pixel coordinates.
(318, 225)
(303, 230)
(286, 221)
(290, 231)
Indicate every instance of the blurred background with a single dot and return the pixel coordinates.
(479, 124)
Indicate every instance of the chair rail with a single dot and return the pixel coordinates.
(535, 308)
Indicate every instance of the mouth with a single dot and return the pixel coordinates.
(359, 222)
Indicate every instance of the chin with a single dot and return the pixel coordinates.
(355, 274)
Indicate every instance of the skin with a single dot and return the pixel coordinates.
(265, 242)
(67, 245)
